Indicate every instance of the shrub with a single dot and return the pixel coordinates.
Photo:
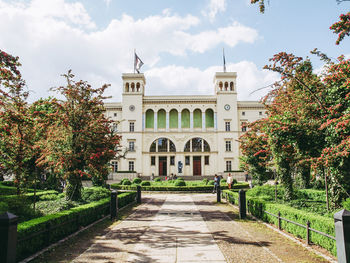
(157, 179)
(211, 182)
(126, 181)
(7, 183)
(7, 190)
(180, 183)
(48, 197)
(137, 181)
(3, 207)
(145, 183)
(54, 206)
(346, 204)
(205, 181)
(92, 194)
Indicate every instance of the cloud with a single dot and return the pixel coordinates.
(213, 8)
(177, 80)
(51, 37)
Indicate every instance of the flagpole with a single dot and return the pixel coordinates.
(134, 59)
(223, 57)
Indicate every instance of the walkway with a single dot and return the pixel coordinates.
(191, 228)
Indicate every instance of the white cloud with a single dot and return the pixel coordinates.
(108, 2)
(213, 8)
(51, 37)
(177, 80)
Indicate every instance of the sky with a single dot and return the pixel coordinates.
(180, 42)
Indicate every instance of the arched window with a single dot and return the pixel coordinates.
(197, 118)
(150, 119)
(226, 85)
(161, 121)
(197, 145)
(127, 87)
(173, 119)
(138, 87)
(162, 145)
(231, 86)
(132, 87)
(220, 85)
(185, 118)
(209, 118)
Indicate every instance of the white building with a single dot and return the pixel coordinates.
(184, 135)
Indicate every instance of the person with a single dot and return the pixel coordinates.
(216, 183)
(246, 176)
(152, 177)
(229, 180)
(175, 177)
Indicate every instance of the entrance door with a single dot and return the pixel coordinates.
(162, 165)
(197, 165)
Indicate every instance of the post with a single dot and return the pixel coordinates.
(138, 196)
(242, 204)
(308, 233)
(114, 205)
(218, 194)
(342, 235)
(8, 237)
(279, 220)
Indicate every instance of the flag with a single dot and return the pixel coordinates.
(223, 56)
(137, 63)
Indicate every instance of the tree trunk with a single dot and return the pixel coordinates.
(286, 179)
(305, 176)
(73, 189)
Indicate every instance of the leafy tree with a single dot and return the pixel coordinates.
(16, 137)
(80, 142)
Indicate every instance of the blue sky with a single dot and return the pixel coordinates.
(180, 42)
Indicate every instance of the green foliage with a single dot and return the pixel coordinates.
(126, 182)
(68, 221)
(7, 190)
(211, 182)
(346, 204)
(205, 181)
(92, 194)
(7, 183)
(137, 181)
(157, 179)
(180, 183)
(3, 207)
(145, 183)
(48, 197)
(54, 206)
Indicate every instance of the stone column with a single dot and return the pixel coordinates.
(203, 121)
(191, 120)
(179, 120)
(143, 121)
(215, 121)
(155, 120)
(167, 120)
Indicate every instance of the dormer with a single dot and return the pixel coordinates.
(133, 83)
(225, 82)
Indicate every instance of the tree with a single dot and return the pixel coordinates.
(80, 141)
(16, 137)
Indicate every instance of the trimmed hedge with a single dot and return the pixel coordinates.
(199, 188)
(62, 224)
(324, 224)
(29, 196)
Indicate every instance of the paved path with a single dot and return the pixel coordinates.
(191, 228)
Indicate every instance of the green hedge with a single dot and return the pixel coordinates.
(199, 188)
(28, 196)
(324, 224)
(64, 223)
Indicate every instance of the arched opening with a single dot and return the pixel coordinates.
(197, 118)
(161, 119)
(226, 85)
(231, 86)
(220, 85)
(197, 145)
(127, 87)
(138, 87)
(209, 118)
(185, 118)
(133, 87)
(150, 118)
(173, 119)
(162, 145)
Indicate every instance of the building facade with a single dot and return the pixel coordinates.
(183, 135)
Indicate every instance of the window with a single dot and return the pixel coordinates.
(114, 166)
(131, 126)
(131, 166)
(260, 113)
(243, 113)
(115, 114)
(187, 160)
(153, 160)
(172, 160)
(228, 166)
(132, 146)
(244, 126)
(206, 160)
(198, 145)
(115, 127)
(162, 145)
(228, 146)
(227, 126)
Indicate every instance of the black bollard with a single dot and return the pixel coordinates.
(242, 204)
(114, 205)
(218, 194)
(8, 237)
(342, 235)
(138, 196)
